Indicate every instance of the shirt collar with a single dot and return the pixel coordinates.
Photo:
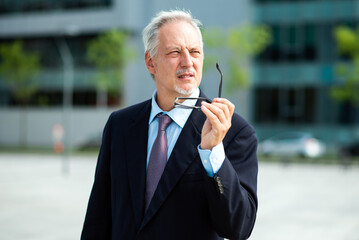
(178, 115)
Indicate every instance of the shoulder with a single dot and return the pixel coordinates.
(124, 117)
(240, 129)
(240, 124)
(131, 112)
(120, 121)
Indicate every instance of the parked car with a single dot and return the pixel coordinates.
(293, 144)
(350, 150)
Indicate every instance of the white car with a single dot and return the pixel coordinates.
(291, 144)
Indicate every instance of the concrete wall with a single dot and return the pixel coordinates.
(34, 127)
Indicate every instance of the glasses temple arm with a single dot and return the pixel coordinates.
(220, 83)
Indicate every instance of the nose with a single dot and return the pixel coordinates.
(186, 59)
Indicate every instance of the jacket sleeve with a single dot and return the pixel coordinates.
(232, 192)
(97, 223)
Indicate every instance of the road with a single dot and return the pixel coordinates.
(38, 201)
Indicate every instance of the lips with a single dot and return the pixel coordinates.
(185, 75)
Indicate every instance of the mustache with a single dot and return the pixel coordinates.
(190, 70)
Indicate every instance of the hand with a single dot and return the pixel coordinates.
(219, 119)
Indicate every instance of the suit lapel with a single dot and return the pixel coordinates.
(136, 148)
(183, 154)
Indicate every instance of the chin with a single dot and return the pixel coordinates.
(183, 91)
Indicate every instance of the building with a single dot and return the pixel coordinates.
(290, 85)
(294, 75)
(60, 30)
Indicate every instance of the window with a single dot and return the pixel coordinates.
(291, 43)
(84, 98)
(52, 72)
(282, 1)
(49, 51)
(309, 43)
(348, 114)
(54, 98)
(15, 6)
(285, 105)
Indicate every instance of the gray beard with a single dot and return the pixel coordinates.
(184, 92)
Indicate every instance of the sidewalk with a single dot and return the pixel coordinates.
(39, 202)
(307, 202)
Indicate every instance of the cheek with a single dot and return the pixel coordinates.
(198, 64)
(199, 67)
(168, 65)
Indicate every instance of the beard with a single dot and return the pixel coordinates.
(184, 92)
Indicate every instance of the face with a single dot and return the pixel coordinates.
(177, 66)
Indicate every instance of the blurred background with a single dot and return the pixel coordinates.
(290, 67)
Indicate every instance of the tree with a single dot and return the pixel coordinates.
(347, 91)
(110, 52)
(19, 69)
(347, 44)
(238, 45)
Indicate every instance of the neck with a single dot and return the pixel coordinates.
(165, 103)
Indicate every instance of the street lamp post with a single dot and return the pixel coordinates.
(68, 65)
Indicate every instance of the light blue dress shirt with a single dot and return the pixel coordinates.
(211, 160)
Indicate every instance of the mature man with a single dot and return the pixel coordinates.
(174, 173)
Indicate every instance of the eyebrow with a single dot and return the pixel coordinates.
(180, 48)
(173, 48)
(196, 48)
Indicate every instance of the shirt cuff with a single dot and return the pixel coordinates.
(212, 160)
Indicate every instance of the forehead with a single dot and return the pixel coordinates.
(178, 32)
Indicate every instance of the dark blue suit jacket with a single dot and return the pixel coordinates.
(187, 203)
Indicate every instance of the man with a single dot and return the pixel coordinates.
(206, 189)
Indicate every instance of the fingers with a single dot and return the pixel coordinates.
(219, 113)
(225, 101)
(219, 110)
(219, 116)
(216, 113)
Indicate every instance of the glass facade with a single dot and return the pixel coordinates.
(285, 105)
(294, 43)
(85, 97)
(296, 72)
(278, 1)
(48, 49)
(51, 76)
(23, 6)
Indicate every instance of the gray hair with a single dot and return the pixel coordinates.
(150, 32)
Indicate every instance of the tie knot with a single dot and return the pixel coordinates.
(164, 122)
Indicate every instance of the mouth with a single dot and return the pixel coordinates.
(185, 75)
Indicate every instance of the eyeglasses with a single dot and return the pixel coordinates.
(178, 104)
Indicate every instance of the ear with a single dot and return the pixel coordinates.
(149, 63)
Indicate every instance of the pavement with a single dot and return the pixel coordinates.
(44, 197)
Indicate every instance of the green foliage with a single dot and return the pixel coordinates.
(348, 44)
(237, 45)
(109, 53)
(19, 69)
(213, 39)
(347, 40)
(249, 40)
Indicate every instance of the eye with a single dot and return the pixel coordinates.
(174, 52)
(195, 52)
